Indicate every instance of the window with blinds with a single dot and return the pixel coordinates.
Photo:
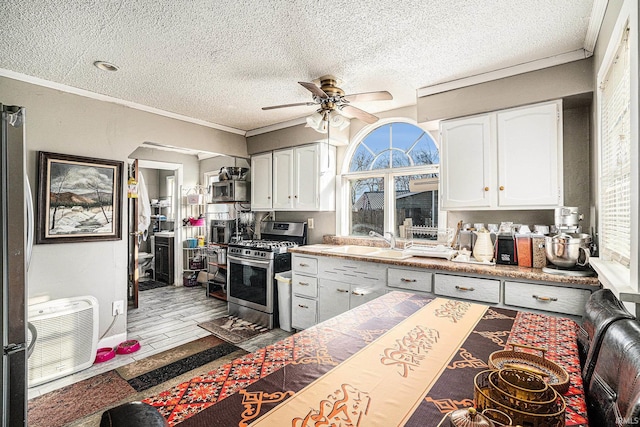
(615, 157)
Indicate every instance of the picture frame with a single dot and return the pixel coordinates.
(79, 199)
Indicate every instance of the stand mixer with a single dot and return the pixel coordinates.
(568, 251)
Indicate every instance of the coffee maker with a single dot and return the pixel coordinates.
(505, 249)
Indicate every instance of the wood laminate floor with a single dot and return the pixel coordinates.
(166, 318)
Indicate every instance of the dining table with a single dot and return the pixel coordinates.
(401, 359)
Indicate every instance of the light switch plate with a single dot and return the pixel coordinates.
(310, 223)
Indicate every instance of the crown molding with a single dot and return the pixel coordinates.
(504, 72)
(597, 16)
(99, 97)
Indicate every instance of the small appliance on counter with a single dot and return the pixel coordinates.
(505, 250)
(567, 219)
(568, 251)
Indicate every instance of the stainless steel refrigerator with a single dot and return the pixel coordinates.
(16, 231)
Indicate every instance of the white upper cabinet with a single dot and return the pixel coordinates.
(283, 179)
(300, 179)
(530, 156)
(467, 163)
(261, 179)
(510, 159)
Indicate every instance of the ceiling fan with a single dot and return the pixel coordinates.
(330, 98)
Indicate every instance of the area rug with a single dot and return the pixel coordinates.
(150, 284)
(71, 404)
(233, 329)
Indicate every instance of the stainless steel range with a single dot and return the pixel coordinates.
(252, 266)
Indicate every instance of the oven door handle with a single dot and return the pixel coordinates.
(245, 261)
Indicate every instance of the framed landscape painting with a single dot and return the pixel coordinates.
(79, 199)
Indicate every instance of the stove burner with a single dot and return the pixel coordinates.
(577, 271)
(264, 245)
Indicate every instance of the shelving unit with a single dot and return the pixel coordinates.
(158, 216)
(194, 233)
(216, 271)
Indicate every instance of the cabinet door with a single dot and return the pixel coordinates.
(333, 299)
(261, 180)
(364, 293)
(306, 175)
(283, 179)
(467, 168)
(530, 156)
(303, 312)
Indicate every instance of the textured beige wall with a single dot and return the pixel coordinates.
(71, 124)
(547, 84)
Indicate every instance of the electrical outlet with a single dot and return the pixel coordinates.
(117, 307)
(310, 223)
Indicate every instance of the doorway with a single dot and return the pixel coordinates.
(151, 219)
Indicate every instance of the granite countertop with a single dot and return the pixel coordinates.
(504, 271)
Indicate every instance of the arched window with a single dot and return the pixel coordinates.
(392, 181)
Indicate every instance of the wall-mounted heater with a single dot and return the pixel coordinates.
(67, 337)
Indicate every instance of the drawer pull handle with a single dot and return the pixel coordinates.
(357, 293)
(545, 299)
(342, 290)
(302, 264)
(465, 289)
(402, 279)
(303, 306)
(303, 284)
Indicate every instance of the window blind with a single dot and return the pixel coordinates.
(615, 158)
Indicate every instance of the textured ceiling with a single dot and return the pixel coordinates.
(221, 61)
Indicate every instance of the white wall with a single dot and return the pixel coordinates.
(65, 123)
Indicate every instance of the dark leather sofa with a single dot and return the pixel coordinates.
(601, 311)
(609, 343)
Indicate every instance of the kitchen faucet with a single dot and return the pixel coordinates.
(391, 240)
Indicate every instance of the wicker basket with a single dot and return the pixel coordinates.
(553, 373)
(484, 401)
(543, 403)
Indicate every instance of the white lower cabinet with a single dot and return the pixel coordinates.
(304, 289)
(471, 288)
(546, 297)
(304, 312)
(337, 297)
(324, 287)
(418, 280)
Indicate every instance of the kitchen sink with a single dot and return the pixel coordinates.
(369, 252)
(353, 250)
(390, 254)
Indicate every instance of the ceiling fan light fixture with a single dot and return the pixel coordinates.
(338, 121)
(314, 119)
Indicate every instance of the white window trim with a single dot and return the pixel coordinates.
(342, 181)
(612, 275)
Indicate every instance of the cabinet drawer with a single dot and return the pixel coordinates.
(558, 299)
(304, 285)
(484, 290)
(303, 312)
(412, 280)
(303, 264)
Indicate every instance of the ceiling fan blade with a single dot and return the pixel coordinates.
(382, 95)
(289, 105)
(359, 114)
(314, 90)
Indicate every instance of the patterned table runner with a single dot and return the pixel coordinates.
(383, 383)
(241, 392)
